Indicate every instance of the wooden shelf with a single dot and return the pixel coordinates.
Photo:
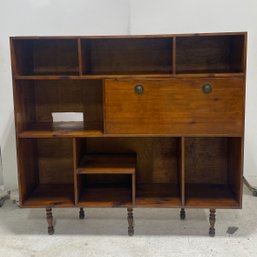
(158, 194)
(107, 164)
(132, 75)
(210, 196)
(62, 129)
(51, 195)
(106, 196)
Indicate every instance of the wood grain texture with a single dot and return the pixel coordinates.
(24, 98)
(28, 168)
(46, 57)
(62, 129)
(169, 126)
(210, 196)
(36, 101)
(235, 168)
(209, 54)
(213, 174)
(128, 56)
(156, 157)
(53, 195)
(55, 166)
(107, 164)
(105, 197)
(131, 76)
(206, 160)
(158, 194)
(174, 106)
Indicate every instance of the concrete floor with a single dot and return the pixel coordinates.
(158, 232)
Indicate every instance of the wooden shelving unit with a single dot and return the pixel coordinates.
(163, 121)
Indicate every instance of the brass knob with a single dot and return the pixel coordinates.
(207, 88)
(139, 89)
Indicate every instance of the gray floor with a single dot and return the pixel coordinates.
(158, 232)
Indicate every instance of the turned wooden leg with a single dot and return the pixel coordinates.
(130, 222)
(212, 222)
(49, 218)
(81, 213)
(182, 214)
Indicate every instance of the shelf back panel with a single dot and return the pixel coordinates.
(127, 56)
(210, 54)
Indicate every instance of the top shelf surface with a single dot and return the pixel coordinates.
(114, 56)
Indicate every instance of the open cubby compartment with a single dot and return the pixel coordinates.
(159, 178)
(158, 174)
(127, 55)
(210, 54)
(46, 56)
(105, 178)
(58, 107)
(213, 172)
(46, 172)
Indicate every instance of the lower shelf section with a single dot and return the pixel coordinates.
(106, 196)
(115, 172)
(158, 194)
(210, 196)
(55, 195)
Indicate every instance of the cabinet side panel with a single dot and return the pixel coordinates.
(27, 167)
(24, 104)
(235, 174)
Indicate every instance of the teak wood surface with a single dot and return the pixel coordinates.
(186, 145)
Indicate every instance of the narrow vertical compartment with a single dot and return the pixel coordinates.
(46, 172)
(213, 172)
(121, 56)
(159, 181)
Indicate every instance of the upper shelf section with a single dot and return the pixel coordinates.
(45, 57)
(127, 56)
(94, 57)
(210, 54)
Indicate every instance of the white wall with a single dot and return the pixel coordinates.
(46, 17)
(85, 17)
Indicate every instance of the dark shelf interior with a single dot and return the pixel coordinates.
(47, 174)
(210, 54)
(107, 164)
(212, 172)
(56, 195)
(39, 99)
(163, 194)
(46, 57)
(105, 190)
(127, 56)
